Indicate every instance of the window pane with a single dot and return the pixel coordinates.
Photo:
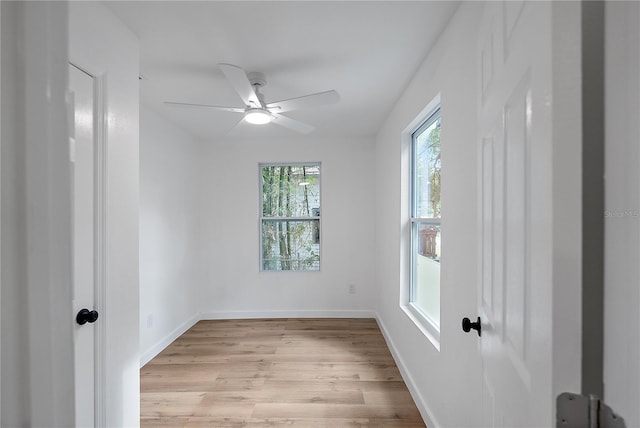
(290, 190)
(427, 171)
(426, 270)
(291, 245)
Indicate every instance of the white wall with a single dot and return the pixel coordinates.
(622, 204)
(444, 383)
(233, 285)
(169, 232)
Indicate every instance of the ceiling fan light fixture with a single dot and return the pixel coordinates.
(257, 116)
(255, 109)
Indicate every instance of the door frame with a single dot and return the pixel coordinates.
(0, 212)
(593, 155)
(99, 199)
(102, 45)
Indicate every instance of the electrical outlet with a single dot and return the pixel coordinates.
(352, 289)
(149, 320)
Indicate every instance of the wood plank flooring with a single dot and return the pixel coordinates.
(306, 373)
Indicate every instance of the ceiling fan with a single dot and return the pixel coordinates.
(256, 110)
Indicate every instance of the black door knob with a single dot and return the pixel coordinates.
(86, 316)
(467, 325)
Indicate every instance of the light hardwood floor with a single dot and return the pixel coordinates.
(307, 373)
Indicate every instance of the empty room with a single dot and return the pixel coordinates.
(320, 213)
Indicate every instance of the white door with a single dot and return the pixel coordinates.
(521, 230)
(83, 184)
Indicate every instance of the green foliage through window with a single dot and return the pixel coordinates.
(290, 221)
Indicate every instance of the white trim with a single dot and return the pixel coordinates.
(0, 214)
(229, 315)
(420, 117)
(162, 344)
(420, 123)
(100, 261)
(424, 323)
(101, 124)
(425, 411)
(289, 218)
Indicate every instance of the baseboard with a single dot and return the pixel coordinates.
(424, 410)
(223, 315)
(150, 353)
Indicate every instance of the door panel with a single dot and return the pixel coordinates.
(517, 119)
(488, 404)
(504, 189)
(83, 156)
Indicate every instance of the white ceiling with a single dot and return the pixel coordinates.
(367, 51)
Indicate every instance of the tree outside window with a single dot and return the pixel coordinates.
(290, 218)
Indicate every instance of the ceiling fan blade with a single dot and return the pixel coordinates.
(231, 109)
(321, 98)
(293, 124)
(240, 82)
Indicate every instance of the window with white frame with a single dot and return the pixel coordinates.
(424, 295)
(290, 217)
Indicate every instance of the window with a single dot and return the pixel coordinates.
(290, 218)
(424, 296)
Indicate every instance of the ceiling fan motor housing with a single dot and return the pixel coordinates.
(257, 79)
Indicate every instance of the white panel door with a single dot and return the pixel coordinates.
(82, 154)
(516, 182)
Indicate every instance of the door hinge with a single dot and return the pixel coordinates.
(581, 411)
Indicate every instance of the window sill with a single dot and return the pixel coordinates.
(426, 326)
